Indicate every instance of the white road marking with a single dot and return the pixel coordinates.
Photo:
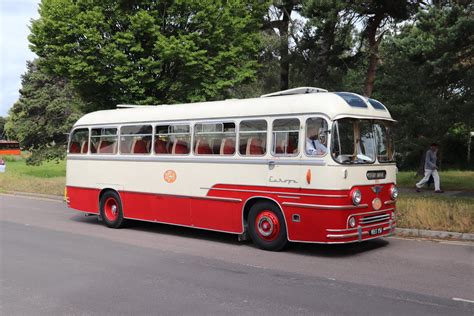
(462, 300)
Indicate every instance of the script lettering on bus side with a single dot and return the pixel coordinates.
(280, 180)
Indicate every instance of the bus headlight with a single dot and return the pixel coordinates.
(394, 192)
(356, 197)
(352, 222)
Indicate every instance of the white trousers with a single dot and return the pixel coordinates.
(428, 173)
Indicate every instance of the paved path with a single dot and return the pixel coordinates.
(430, 192)
(57, 261)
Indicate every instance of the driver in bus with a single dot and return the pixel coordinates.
(314, 145)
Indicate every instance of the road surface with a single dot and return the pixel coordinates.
(57, 261)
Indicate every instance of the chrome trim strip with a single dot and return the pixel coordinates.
(349, 229)
(374, 221)
(359, 236)
(289, 197)
(273, 192)
(389, 202)
(373, 212)
(326, 207)
(217, 198)
(200, 159)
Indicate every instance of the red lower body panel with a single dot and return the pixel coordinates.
(310, 215)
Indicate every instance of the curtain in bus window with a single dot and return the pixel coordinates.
(253, 138)
(285, 136)
(135, 139)
(104, 140)
(214, 138)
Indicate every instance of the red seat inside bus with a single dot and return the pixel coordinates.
(106, 147)
(160, 147)
(203, 148)
(180, 147)
(75, 148)
(140, 146)
(254, 147)
(84, 147)
(227, 146)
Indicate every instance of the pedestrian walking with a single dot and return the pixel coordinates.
(431, 169)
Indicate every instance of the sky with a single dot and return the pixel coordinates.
(15, 17)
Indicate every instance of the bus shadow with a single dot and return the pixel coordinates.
(337, 250)
(305, 249)
(166, 229)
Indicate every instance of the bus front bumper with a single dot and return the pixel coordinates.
(361, 233)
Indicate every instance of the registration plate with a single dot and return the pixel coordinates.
(376, 231)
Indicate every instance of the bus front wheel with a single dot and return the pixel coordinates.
(111, 209)
(267, 226)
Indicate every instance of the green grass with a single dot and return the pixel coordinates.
(436, 213)
(48, 178)
(450, 180)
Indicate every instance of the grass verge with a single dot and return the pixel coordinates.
(48, 178)
(445, 213)
(436, 213)
(450, 180)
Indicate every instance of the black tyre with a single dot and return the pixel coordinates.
(267, 226)
(111, 210)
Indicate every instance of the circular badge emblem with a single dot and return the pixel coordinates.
(376, 204)
(169, 176)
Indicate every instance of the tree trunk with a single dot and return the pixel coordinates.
(284, 47)
(374, 58)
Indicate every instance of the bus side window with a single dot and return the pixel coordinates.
(316, 136)
(285, 137)
(79, 143)
(214, 138)
(173, 139)
(104, 140)
(253, 137)
(135, 139)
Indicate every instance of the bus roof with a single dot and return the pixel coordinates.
(332, 104)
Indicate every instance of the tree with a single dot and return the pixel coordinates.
(324, 49)
(427, 79)
(45, 112)
(279, 18)
(375, 15)
(2, 127)
(149, 52)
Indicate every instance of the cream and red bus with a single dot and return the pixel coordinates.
(242, 166)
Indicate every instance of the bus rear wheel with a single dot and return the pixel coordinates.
(267, 226)
(111, 210)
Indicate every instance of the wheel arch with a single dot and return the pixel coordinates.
(257, 199)
(104, 190)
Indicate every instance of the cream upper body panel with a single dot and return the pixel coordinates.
(329, 104)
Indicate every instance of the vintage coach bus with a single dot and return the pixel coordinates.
(302, 165)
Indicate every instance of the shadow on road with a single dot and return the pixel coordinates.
(306, 249)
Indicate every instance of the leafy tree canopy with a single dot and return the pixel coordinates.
(149, 52)
(44, 114)
(427, 77)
